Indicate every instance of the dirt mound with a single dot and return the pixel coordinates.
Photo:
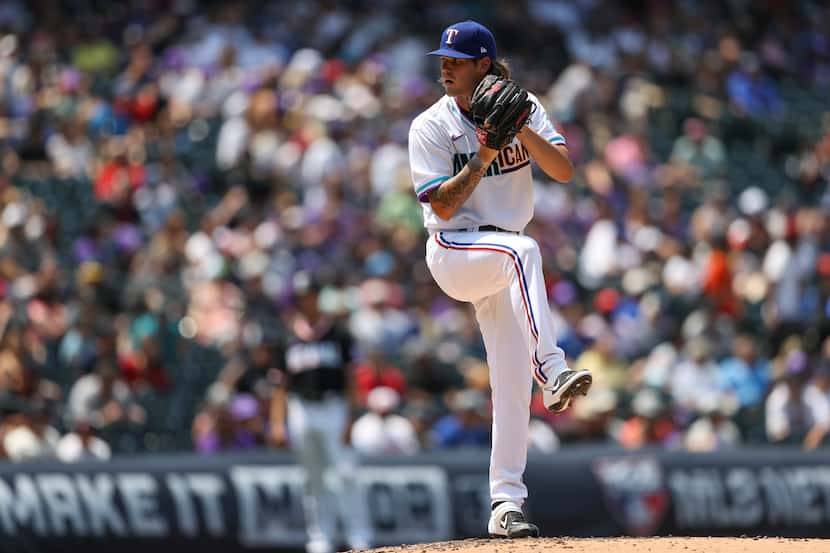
(618, 545)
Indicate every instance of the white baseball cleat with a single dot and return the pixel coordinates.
(558, 393)
(508, 521)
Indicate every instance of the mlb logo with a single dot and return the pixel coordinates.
(635, 492)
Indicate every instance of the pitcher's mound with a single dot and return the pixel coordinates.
(618, 545)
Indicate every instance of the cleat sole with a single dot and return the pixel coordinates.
(580, 386)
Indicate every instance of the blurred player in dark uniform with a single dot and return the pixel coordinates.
(311, 412)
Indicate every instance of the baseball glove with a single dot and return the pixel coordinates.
(500, 109)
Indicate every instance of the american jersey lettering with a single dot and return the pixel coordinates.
(511, 158)
(441, 142)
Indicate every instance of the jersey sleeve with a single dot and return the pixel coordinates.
(541, 123)
(430, 161)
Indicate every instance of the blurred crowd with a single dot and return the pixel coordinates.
(169, 167)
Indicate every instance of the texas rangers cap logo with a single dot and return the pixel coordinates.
(466, 40)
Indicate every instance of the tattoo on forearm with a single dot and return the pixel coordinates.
(454, 192)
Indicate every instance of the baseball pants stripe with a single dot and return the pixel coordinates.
(519, 268)
(500, 274)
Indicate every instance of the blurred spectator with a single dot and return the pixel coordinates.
(651, 423)
(82, 445)
(212, 429)
(421, 415)
(142, 364)
(70, 151)
(821, 384)
(695, 378)
(713, 430)
(751, 90)
(429, 380)
(700, 150)
(608, 369)
(229, 423)
(594, 416)
(377, 372)
(467, 424)
(26, 434)
(104, 399)
(253, 371)
(381, 431)
(119, 176)
(746, 375)
(249, 421)
(794, 410)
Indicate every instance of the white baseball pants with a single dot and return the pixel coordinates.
(316, 431)
(501, 275)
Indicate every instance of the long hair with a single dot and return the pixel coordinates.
(500, 67)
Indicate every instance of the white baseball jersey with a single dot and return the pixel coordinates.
(441, 142)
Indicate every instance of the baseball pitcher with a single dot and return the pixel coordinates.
(470, 156)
